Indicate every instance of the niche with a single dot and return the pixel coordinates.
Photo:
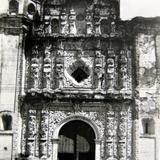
(55, 25)
(31, 9)
(13, 7)
(6, 122)
(105, 26)
(148, 126)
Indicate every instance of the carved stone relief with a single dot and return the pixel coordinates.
(64, 64)
(64, 22)
(75, 60)
(31, 133)
(123, 69)
(47, 68)
(72, 23)
(115, 130)
(110, 67)
(99, 69)
(89, 24)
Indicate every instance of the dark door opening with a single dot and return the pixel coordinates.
(76, 141)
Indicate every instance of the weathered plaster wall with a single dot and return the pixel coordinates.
(148, 96)
(9, 51)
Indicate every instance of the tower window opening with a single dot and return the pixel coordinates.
(7, 122)
(148, 126)
(31, 9)
(79, 75)
(13, 6)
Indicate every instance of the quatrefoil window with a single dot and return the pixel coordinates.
(79, 71)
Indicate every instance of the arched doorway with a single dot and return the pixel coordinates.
(76, 141)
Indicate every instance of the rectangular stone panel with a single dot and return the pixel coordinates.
(147, 149)
(5, 147)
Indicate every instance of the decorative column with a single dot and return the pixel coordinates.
(60, 67)
(113, 29)
(123, 69)
(97, 149)
(129, 72)
(109, 134)
(35, 68)
(44, 134)
(30, 148)
(110, 64)
(55, 149)
(47, 24)
(72, 23)
(129, 132)
(97, 21)
(97, 25)
(64, 23)
(89, 24)
(122, 135)
(47, 68)
(24, 131)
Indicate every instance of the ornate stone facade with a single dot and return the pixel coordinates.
(76, 62)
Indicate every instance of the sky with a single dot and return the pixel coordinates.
(145, 8)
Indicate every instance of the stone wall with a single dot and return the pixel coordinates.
(148, 95)
(9, 57)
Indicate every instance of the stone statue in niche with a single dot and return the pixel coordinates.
(64, 23)
(100, 76)
(34, 67)
(35, 72)
(47, 67)
(72, 23)
(59, 68)
(97, 28)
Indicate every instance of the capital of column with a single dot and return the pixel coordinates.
(55, 141)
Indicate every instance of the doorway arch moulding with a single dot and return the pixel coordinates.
(55, 138)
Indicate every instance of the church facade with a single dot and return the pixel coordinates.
(77, 82)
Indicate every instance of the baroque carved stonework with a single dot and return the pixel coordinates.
(64, 65)
(114, 125)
